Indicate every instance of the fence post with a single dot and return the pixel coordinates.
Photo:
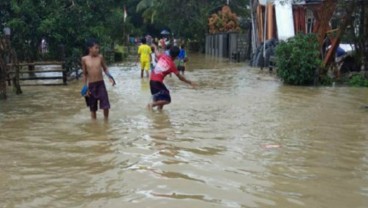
(63, 65)
(3, 71)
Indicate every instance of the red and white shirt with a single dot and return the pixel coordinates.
(164, 66)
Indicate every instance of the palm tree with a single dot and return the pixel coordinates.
(147, 7)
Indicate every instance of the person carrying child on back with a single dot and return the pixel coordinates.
(94, 86)
(165, 65)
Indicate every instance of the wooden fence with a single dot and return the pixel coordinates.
(33, 74)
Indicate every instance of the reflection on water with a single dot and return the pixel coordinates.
(145, 85)
(241, 140)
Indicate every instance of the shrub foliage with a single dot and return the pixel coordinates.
(298, 59)
(358, 80)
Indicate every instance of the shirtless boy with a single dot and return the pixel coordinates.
(93, 64)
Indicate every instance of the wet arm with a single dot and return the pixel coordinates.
(157, 52)
(104, 66)
(182, 78)
(106, 70)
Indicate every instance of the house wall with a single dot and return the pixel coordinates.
(228, 45)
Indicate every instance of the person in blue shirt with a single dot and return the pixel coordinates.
(182, 59)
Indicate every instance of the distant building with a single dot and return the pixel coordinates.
(274, 20)
(282, 19)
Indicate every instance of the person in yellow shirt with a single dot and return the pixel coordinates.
(144, 54)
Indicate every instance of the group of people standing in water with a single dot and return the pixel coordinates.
(156, 62)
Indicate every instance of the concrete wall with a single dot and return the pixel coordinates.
(228, 45)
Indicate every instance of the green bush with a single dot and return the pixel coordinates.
(325, 80)
(298, 59)
(358, 80)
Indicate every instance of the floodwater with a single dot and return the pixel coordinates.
(241, 139)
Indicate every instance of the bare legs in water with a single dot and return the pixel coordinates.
(142, 73)
(105, 112)
(159, 104)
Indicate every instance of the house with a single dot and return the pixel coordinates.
(275, 20)
(282, 19)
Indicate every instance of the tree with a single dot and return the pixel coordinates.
(359, 33)
(187, 19)
(326, 11)
(346, 21)
(67, 22)
(223, 21)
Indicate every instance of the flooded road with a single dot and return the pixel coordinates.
(240, 140)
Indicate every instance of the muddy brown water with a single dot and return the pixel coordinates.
(242, 139)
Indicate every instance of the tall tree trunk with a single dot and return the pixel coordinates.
(365, 34)
(8, 56)
(2, 69)
(346, 21)
(323, 16)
